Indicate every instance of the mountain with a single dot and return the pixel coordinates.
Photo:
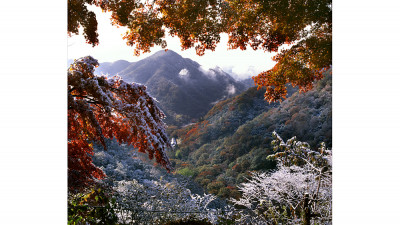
(235, 136)
(112, 67)
(183, 88)
(248, 82)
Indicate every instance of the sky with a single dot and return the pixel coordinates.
(240, 64)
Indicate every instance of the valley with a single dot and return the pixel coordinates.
(222, 128)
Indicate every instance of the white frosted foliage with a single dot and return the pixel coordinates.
(278, 196)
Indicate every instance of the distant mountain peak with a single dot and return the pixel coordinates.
(121, 61)
(168, 53)
(185, 90)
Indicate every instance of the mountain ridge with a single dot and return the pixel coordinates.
(184, 89)
(235, 135)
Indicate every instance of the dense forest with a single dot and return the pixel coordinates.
(165, 141)
(213, 160)
(235, 136)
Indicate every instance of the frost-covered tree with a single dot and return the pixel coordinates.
(298, 191)
(143, 193)
(100, 108)
(158, 201)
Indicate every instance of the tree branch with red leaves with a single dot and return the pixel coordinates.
(101, 107)
(303, 26)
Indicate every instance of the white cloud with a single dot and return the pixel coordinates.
(240, 72)
(184, 73)
(231, 89)
(207, 71)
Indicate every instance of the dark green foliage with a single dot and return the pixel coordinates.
(95, 207)
(186, 172)
(235, 135)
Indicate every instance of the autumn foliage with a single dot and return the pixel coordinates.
(305, 27)
(100, 108)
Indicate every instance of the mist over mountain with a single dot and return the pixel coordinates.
(248, 82)
(112, 68)
(184, 89)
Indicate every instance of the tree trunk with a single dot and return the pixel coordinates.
(306, 210)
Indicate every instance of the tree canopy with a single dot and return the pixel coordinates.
(304, 27)
(298, 192)
(101, 107)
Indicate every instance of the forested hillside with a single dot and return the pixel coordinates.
(212, 132)
(235, 136)
(184, 89)
(140, 191)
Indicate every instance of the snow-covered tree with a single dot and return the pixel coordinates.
(145, 194)
(158, 201)
(299, 191)
(100, 108)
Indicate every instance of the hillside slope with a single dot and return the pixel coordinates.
(183, 88)
(234, 137)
